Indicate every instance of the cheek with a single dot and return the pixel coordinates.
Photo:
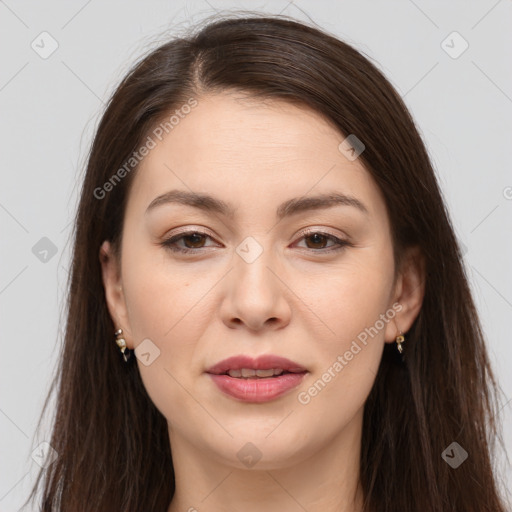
(352, 298)
(162, 305)
(168, 312)
(347, 362)
(158, 295)
(355, 310)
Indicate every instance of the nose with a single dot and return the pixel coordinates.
(256, 296)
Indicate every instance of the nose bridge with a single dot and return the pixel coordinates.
(251, 266)
(256, 294)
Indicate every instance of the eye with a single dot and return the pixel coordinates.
(194, 241)
(319, 238)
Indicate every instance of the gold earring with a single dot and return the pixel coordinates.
(121, 343)
(399, 340)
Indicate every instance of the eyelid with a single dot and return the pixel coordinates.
(322, 230)
(186, 230)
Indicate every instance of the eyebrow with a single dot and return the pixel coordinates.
(290, 207)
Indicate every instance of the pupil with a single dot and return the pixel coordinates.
(317, 239)
(195, 236)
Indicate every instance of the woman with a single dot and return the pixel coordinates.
(267, 286)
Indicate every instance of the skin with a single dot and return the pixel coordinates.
(199, 309)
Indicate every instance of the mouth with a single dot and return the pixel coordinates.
(247, 367)
(256, 380)
(251, 373)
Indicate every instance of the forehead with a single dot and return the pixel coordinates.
(236, 128)
(248, 150)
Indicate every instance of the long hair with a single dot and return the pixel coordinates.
(112, 443)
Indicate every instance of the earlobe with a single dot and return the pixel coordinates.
(409, 293)
(114, 294)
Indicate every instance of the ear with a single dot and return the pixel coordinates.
(114, 294)
(409, 291)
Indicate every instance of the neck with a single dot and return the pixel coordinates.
(326, 479)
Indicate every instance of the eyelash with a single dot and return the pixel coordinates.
(168, 244)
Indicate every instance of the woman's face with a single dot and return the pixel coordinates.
(257, 279)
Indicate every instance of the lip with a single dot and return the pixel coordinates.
(256, 390)
(263, 362)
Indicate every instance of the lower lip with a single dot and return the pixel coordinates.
(257, 390)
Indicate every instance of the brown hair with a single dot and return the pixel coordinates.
(112, 443)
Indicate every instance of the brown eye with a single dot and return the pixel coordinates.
(193, 241)
(316, 241)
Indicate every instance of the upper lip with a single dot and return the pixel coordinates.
(264, 362)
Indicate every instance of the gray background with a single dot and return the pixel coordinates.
(50, 107)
